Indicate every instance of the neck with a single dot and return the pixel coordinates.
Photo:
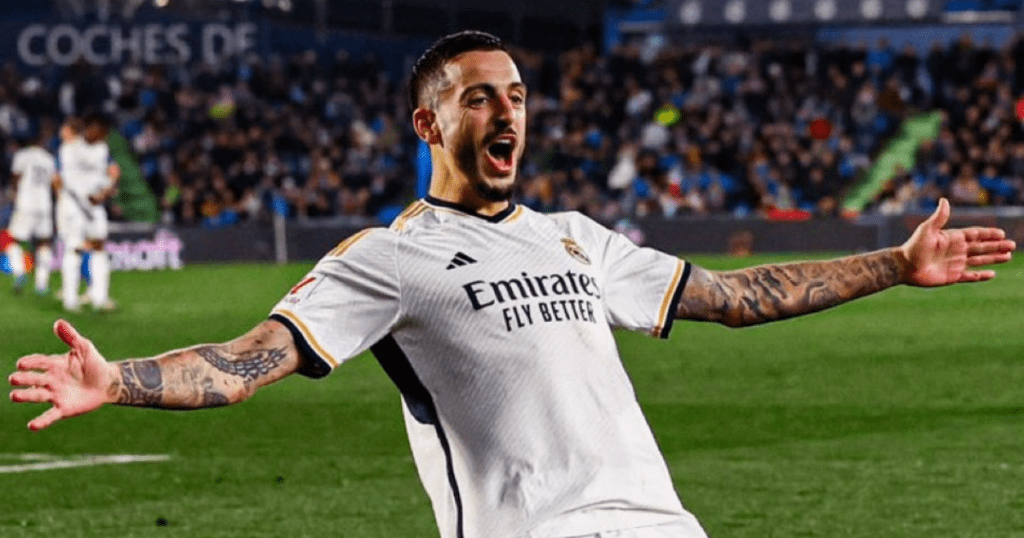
(458, 191)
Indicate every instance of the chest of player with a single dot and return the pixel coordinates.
(505, 282)
(85, 161)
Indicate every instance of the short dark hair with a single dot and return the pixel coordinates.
(95, 118)
(429, 69)
(75, 124)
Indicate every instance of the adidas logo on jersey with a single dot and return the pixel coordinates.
(459, 260)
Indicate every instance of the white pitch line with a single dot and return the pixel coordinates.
(80, 461)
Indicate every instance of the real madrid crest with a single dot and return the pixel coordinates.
(575, 250)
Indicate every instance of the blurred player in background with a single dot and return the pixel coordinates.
(495, 322)
(34, 172)
(87, 178)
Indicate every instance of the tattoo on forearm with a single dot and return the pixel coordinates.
(148, 374)
(141, 384)
(180, 380)
(211, 396)
(773, 292)
(248, 366)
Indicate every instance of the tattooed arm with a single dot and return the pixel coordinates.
(81, 380)
(773, 292)
(931, 257)
(207, 375)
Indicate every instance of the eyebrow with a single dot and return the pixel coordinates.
(490, 88)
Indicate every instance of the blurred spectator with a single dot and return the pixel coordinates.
(900, 194)
(646, 129)
(966, 189)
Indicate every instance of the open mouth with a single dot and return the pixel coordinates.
(500, 153)
(501, 149)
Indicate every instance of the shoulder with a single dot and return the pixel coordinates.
(570, 217)
(417, 216)
(368, 255)
(42, 155)
(97, 148)
(68, 148)
(366, 240)
(579, 226)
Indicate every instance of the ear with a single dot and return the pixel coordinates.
(424, 121)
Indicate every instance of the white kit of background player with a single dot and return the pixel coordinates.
(33, 169)
(86, 171)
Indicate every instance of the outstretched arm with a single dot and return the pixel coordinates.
(212, 375)
(931, 257)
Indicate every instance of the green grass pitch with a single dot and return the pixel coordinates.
(894, 416)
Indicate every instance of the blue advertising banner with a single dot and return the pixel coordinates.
(102, 44)
(57, 43)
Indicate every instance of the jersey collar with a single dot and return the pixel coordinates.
(497, 217)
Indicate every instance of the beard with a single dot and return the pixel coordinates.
(468, 162)
(492, 193)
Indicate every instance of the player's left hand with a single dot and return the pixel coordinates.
(937, 257)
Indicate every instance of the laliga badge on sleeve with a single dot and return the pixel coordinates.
(301, 290)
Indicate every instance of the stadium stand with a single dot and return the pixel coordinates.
(767, 127)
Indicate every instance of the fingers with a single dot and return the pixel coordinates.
(33, 395)
(991, 247)
(41, 362)
(977, 276)
(28, 379)
(36, 394)
(977, 233)
(987, 246)
(989, 259)
(984, 246)
(42, 421)
(69, 335)
(940, 217)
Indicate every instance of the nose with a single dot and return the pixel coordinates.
(504, 110)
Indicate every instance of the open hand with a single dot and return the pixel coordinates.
(75, 382)
(937, 257)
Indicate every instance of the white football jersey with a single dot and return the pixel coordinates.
(498, 333)
(83, 168)
(36, 167)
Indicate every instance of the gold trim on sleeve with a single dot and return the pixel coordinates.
(344, 245)
(411, 212)
(308, 335)
(663, 311)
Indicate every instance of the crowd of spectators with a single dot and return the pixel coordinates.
(978, 157)
(646, 129)
(304, 136)
(774, 128)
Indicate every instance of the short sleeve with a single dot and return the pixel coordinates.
(348, 302)
(18, 163)
(642, 285)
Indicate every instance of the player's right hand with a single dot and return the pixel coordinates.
(74, 383)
